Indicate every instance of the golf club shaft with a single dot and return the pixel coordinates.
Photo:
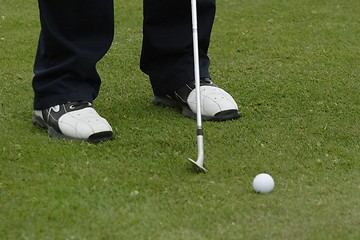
(196, 63)
(200, 140)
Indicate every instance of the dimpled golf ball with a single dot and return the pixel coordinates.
(263, 183)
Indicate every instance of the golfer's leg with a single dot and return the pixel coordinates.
(75, 34)
(167, 53)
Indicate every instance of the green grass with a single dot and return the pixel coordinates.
(293, 67)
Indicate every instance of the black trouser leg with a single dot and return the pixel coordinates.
(167, 52)
(75, 35)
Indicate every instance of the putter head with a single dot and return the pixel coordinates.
(198, 165)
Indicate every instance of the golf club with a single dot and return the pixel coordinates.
(199, 163)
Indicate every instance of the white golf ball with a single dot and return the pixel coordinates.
(263, 183)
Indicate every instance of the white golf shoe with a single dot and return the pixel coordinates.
(75, 121)
(216, 104)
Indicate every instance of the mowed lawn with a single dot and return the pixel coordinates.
(294, 69)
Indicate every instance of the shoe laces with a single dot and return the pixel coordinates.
(79, 105)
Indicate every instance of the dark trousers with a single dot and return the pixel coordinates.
(75, 35)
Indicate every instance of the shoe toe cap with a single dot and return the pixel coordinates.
(83, 123)
(214, 100)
